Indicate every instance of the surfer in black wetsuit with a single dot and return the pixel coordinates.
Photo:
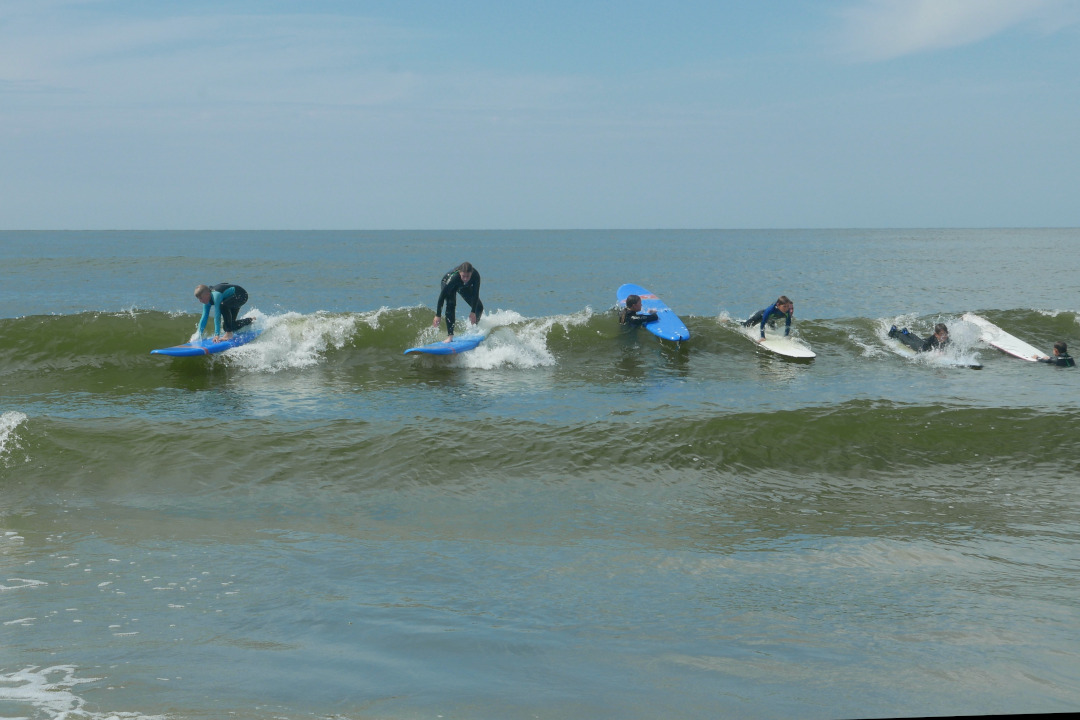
(632, 315)
(226, 299)
(783, 306)
(937, 341)
(463, 280)
(1061, 356)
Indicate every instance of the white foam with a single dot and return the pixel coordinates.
(516, 341)
(292, 340)
(9, 421)
(49, 692)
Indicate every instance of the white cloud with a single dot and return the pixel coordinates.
(884, 29)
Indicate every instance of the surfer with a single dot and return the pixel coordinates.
(783, 306)
(463, 280)
(632, 315)
(226, 299)
(1061, 357)
(937, 341)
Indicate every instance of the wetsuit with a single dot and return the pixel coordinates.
(915, 342)
(226, 299)
(452, 286)
(1060, 360)
(637, 319)
(762, 317)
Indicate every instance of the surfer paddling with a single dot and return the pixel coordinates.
(937, 341)
(632, 315)
(783, 306)
(226, 299)
(463, 280)
(1061, 356)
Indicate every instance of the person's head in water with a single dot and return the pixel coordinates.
(1061, 348)
(940, 331)
(633, 303)
(465, 271)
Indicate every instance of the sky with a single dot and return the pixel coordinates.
(476, 114)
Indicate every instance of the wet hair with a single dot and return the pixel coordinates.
(465, 267)
(200, 289)
(940, 327)
(632, 300)
(1061, 347)
(784, 300)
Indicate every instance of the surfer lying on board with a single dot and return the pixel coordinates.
(226, 299)
(463, 280)
(938, 340)
(1061, 357)
(783, 306)
(632, 315)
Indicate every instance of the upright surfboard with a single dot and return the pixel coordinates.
(207, 346)
(776, 342)
(995, 337)
(667, 326)
(455, 346)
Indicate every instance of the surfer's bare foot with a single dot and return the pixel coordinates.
(449, 339)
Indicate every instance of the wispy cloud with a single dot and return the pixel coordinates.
(876, 30)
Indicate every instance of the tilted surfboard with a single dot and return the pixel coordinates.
(455, 346)
(207, 346)
(995, 337)
(667, 326)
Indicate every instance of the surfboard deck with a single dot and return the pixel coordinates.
(995, 337)
(207, 346)
(667, 326)
(776, 342)
(457, 345)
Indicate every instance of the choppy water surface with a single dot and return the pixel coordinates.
(572, 520)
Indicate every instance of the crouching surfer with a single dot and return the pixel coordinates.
(783, 306)
(226, 299)
(463, 280)
(1061, 356)
(632, 315)
(937, 341)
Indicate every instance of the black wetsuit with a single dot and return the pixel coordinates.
(637, 319)
(762, 316)
(452, 286)
(915, 342)
(1060, 360)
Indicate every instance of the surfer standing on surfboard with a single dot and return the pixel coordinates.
(783, 306)
(226, 299)
(463, 280)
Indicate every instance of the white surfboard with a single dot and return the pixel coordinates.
(775, 341)
(995, 337)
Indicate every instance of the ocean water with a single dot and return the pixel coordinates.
(574, 520)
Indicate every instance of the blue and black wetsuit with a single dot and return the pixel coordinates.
(452, 286)
(226, 299)
(762, 316)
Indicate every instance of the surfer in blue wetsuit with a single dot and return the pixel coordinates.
(463, 280)
(1061, 356)
(783, 306)
(632, 315)
(226, 299)
(937, 341)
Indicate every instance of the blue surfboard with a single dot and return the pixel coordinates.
(457, 345)
(668, 326)
(207, 346)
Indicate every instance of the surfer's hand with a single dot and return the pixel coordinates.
(435, 322)
(472, 318)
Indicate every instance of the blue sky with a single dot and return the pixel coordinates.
(284, 114)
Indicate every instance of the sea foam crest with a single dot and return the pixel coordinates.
(293, 340)
(9, 421)
(516, 341)
(48, 692)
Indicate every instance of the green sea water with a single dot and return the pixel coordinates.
(573, 520)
